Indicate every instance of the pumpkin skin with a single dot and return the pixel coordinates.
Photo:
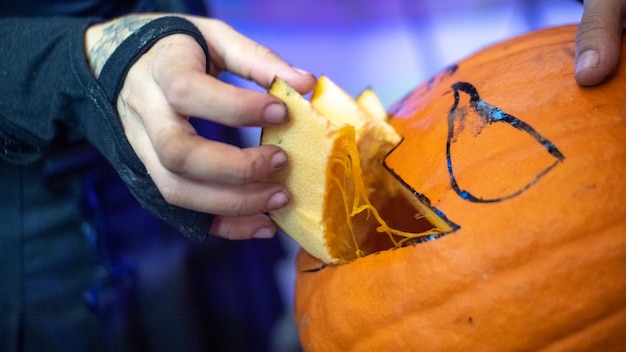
(537, 259)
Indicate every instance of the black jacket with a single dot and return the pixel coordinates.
(52, 110)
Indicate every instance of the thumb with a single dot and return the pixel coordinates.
(598, 40)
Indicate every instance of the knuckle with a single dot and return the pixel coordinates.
(251, 169)
(238, 208)
(177, 90)
(264, 53)
(170, 193)
(226, 232)
(172, 154)
(262, 56)
(592, 22)
(234, 206)
(221, 228)
(237, 113)
(127, 99)
(588, 31)
(230, 231)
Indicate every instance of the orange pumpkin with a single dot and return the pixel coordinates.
(530, 170)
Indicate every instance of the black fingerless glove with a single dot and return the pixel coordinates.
(49, 97)
(116, 147)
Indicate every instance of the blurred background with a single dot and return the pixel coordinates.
(391, 46)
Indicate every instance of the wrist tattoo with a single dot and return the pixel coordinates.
(112, 36)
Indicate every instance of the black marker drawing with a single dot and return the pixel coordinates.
(487, 115)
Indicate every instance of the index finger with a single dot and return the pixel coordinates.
(238, 54)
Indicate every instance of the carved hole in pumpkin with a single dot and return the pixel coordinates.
(399, 214)
(363, 222)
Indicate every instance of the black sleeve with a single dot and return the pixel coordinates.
(49, 97)
(40, 63)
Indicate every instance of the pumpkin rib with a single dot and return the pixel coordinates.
(577, 341)
(368, 337)
(506, 276)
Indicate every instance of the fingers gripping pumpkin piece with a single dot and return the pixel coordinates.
(331, 214)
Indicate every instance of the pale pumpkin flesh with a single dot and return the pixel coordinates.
(335, 176)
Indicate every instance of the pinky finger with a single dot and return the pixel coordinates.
(243, 227)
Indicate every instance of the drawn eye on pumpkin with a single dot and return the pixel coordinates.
(485, 157)
(476, 132)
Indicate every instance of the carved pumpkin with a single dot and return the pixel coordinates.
(529, 171)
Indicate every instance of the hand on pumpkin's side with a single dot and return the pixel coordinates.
(168, 84)
(598, 40)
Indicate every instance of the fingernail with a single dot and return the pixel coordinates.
(275, 113)
(301, 71)
(278, 200)
(588, 59)
(278, 160)
(264, 233)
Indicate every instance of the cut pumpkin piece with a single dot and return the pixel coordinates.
(340, 108)
(374, 136)
(311, 141)
(370, 103)
(334, 207)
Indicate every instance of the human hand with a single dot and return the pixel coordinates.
(598, 40)
(167, 85)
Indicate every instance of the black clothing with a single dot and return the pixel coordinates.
(101, 8)
(43, 273)
(33, 124)
(62, 210)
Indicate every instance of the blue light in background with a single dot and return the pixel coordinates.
(390, 46)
